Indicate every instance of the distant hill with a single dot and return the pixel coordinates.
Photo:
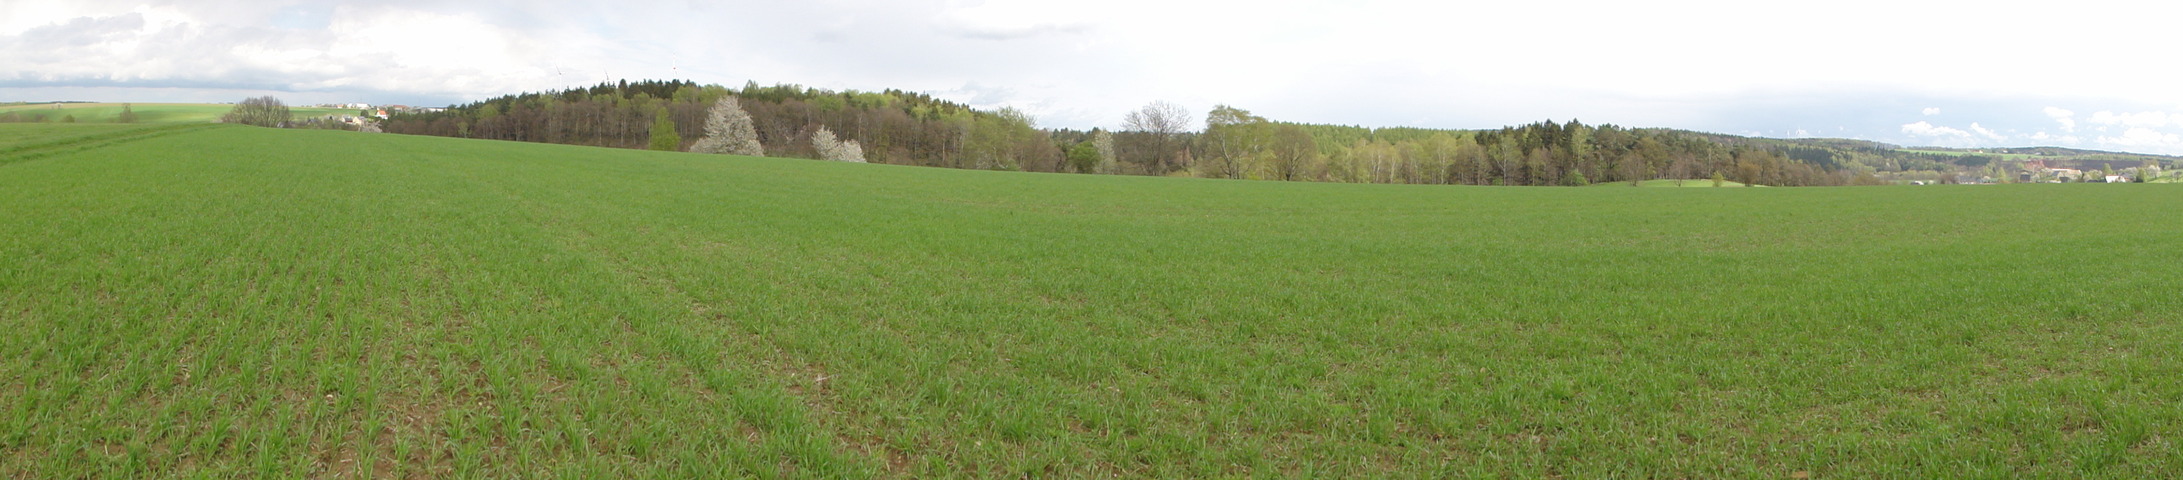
(2046, 152)
(93, 112)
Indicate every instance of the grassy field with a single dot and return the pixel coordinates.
(1697, 183)
(16, 136)
(27, 141)
(233, 301)
(150, 112)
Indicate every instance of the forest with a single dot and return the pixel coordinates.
(908, 128)
(893, 126)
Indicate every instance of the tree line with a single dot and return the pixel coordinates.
(1234, 143)
(908, 128)
(890, 126)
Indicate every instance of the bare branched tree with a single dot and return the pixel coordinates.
(1161, 127)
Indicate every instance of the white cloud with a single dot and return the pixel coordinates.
(1927, 129)
(2145, 138)
(2054, 140)
(1084, 64)
(363, 48)
(2140, 119)
(2064, 117)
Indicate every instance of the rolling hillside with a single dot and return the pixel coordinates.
(146, 112)
(231, 301)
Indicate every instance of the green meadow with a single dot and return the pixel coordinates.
(148, 112)
(1691, 183)
(220, 301)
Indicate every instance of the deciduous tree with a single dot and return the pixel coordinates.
(1008, 140)
(728, 130)
(1104, 141)
(1160, 128)
(663, 136)
(1293, 150)
(1232, 135)
(1084, 158)
(263, 111)
(831, 148)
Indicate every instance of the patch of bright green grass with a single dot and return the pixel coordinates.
(234, 301)
(151, 112)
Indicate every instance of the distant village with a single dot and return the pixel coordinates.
(367, 112)
(2037, 171)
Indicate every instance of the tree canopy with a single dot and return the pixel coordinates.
(900, 127)
(263, 111)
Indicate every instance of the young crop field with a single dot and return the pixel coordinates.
(1690, 183)
(227, 301)
(34, 134)
(147, 112)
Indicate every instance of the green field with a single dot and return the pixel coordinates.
(150, 112)
(1696, 183)
(2004, 156)
(233, 301)
(26, 135)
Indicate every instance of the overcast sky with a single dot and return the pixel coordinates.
(2088, 73)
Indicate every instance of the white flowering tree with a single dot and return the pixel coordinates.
(1105, 143)
(728, 130)
(831, 148)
